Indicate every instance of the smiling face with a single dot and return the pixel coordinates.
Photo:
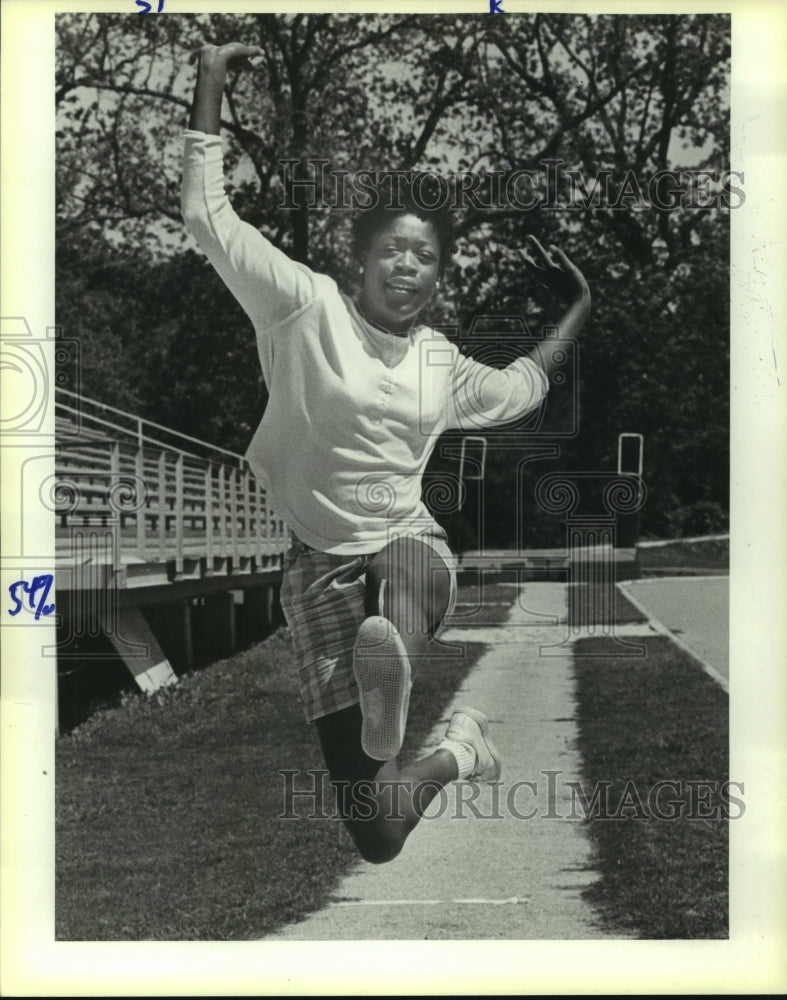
(401, 269)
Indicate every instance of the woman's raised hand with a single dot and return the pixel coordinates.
(233, 55)
(555, 272)
(213, 63)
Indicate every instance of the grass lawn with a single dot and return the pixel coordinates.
(710, 555)
(658, 718)
(167, 808)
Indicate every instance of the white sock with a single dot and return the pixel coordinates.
(465, 756)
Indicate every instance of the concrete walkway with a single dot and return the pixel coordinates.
(483, 870)
(696, 609)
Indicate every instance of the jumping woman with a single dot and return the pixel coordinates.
(359, 391)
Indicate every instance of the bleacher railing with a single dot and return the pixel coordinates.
(172, 495)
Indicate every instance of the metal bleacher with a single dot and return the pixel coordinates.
(172, 498)
(147, 516)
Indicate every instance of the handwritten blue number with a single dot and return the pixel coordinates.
(40, 583)
(12, 592)
(146, 7)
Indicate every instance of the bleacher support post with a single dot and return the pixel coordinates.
(152, 669)
(186, 642)
(257, 611)
(220, 613)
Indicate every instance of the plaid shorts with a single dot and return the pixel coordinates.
(323, 597)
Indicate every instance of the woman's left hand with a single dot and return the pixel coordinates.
(555, 272)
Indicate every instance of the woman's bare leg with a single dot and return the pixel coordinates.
(381, 803)
(409, 584)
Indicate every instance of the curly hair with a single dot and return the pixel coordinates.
(424, 195)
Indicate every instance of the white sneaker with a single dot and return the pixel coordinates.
(471, 727)
(382, 670)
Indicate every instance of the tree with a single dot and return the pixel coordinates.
(628, 95)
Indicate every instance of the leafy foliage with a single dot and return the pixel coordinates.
(631, 95)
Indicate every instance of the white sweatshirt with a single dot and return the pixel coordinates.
(353, 413)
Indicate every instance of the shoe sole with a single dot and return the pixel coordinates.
(482, 722)
(382, 670)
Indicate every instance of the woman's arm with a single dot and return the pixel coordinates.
(268, 285)
(483, 396)
(214, 61)
(559, 275)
